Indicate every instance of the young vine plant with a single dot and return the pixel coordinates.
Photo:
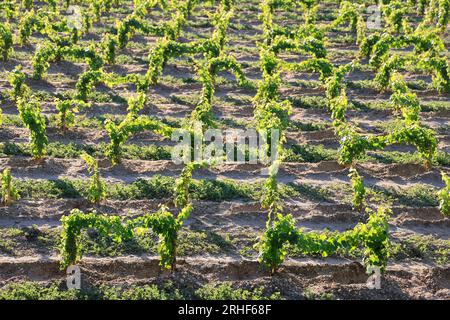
(8, 191)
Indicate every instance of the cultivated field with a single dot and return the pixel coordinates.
(87, 123)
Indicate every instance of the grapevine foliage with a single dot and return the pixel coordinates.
(96, 191)
(163, 223)
(444, 196)
(132, 124)
(8, 191)
(359, 191)
(67, 110)
(372, 237)
(16, 79)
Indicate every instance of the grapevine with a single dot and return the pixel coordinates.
(163, 223)
(359, 191)
(97, 188)
(372, 237)
(8, 190)
(6, 41)
(444, 196)
(16, 79)
(67, 110)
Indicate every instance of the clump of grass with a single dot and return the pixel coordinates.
(310, 153)
(420, 247)
(417, 195)
(156, 187)
(73, 150)
(309, 294)
(307, 126)
(225, 291)
(9, 240)
(57, 291)
(310, 102)
(313, 193)
(166, 291)
(444, 196)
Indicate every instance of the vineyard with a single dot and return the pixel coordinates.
(352, 103)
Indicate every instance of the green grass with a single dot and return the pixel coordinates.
(310, 153)
(156, 187)
(308, 126)
(313, 193)
(9, 240)
(225, 291)
(165, 291)
(190, 243)
(422, 247)
(294, 153)
(73, 150)
(310, 294)
(16, 242)
(161, 187)
(58, 291)
(309, 102)
(390, 157)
